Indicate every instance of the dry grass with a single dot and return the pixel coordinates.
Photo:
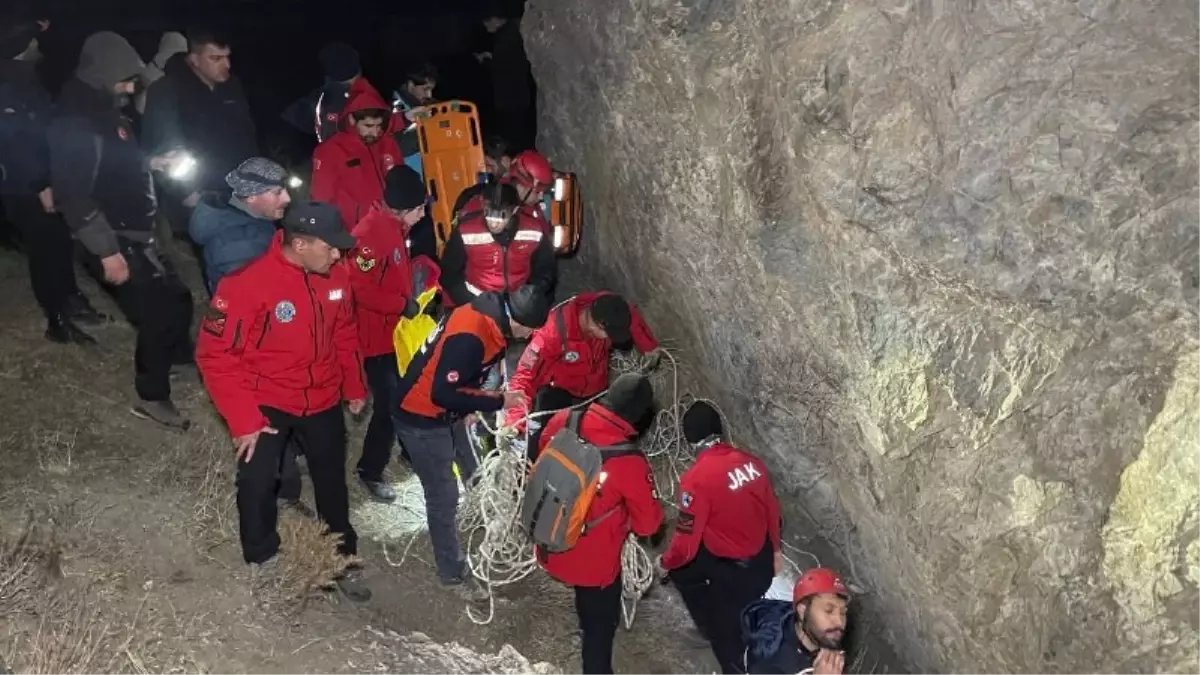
(27, 562)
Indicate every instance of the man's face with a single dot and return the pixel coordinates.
(212, 62)
(824, 620)
(410, 217)
(422, 93)
(315, 255)
(498, 220)
(594, 329)
(497, 167)
(369, 129)
(530, 195)
(270, 204)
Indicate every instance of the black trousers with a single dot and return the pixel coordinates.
(159, 306)
(380, 437)
(49, 248)
(547, 398)
(716, 590)
(323, 436)
(290, 486)
(599, 611)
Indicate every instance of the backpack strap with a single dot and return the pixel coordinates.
(560, 322)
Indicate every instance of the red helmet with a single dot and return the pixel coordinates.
(531, 169)
(818, 581)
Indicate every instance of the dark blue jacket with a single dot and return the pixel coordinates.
(772, 646)
(25, 111)
(229, 235)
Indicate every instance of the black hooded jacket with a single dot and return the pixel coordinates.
(25, 110)
(213, 125)
(100, 176)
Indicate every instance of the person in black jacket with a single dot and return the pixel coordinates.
(319, 111)
(198, 106)
(105, 192)
(25, 110)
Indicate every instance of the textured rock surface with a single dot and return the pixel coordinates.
(938, 260)
(417, 653)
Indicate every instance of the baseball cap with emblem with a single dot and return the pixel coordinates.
(320, 220)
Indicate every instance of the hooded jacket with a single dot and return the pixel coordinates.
(102, 183)
(772, 646)
(320, 111)
(25, 110)
(627, 497)
(213, 125)
(230, 235)
(347, 172)
(169, 45)
(382, 279)
(278, 336)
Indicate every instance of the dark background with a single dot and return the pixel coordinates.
(275, 45)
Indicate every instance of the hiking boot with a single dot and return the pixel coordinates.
(380, 491)
(62, 330)
(163, 412)
(80, 309)
(353, 585)
(467, 588)
(298, 507)
(264, 574)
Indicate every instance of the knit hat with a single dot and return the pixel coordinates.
(403, 189)
(701, 421)
(255, 176)
(630, 397)
(528, 306)
(339, 61)
(106, 59)
(611, 312)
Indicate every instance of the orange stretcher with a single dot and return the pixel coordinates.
(564, 210)
(451, 157)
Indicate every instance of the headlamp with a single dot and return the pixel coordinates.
(183, 167)
(294, 182)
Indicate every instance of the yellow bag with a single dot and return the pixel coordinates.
(410, 334)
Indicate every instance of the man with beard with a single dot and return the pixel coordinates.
(804, 636)
(725, 548)
(350, 169)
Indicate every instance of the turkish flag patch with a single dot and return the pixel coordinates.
(452, 376)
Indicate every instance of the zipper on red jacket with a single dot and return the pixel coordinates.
(312, 379)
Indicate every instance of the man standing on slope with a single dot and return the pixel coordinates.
(278, 352)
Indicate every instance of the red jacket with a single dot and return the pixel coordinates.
(628, 487)
(277, 336)
(727, 503)
(347, 172)
(381, 277)
(560, 354)
(475, 261)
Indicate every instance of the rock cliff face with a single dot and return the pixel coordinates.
(938, 262)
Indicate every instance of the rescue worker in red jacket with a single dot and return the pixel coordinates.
(383, 292)
(497, 247)
(725, 548)
(625, 502)
(441, 387)
(349, 168)
(278, 351)
(566, 361)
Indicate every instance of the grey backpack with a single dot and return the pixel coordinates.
(560, 489)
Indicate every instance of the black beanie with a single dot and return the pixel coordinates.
(701, 421)
(339, 61)
(630, 397)
(611, 312)
(404, 188)
(529, 306)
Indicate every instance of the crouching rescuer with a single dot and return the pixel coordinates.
(278, 351)
(590, 488)
(440, 387)
(725, 548)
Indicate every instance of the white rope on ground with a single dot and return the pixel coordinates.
(637, 576)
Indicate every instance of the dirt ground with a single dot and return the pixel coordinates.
(118, 546)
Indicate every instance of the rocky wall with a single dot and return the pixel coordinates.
(938, 261)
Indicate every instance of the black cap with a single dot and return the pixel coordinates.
(611, 312)
(320, 220)
(630, 397)
(339, 61)
(529, 306)
(403, 189)
(701, 421)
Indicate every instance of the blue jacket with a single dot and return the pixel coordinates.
(229, 235)
(772, 646)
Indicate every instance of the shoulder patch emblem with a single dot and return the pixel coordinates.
(396, 255)
(388, 161)
(571, 357)
(364, 264)
(452, 376)
(285, 311)
(685, 500)
(220, 303)
(123, 133)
